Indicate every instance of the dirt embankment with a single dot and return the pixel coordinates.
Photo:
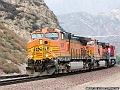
(102, 78)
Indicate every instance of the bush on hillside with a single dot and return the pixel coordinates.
(118, 59)
(12, 17)
(10, 68)
(35, 27)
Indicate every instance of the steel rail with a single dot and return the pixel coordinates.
(13, 76)
(9, 81)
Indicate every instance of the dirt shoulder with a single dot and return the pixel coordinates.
(109, 81)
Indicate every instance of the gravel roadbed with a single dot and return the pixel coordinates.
(72, 82)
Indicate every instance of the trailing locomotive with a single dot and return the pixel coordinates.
(51, 51)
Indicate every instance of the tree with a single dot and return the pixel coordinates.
(118, 59)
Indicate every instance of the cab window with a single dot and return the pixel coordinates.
(35, 36)
(52, 35)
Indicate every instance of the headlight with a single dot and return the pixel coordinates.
(40, 41)
(55, 60)
(46, 55)
(30, 56)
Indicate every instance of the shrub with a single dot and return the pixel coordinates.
(2, 61)
(35, 27)
(27, 17)
(3, 27)
(35, 19)
(10, 68)
(13, 60)
(10, 17)
(37, 3)
(19, 16)
(5, 56)
(2, 43)
(118, 59)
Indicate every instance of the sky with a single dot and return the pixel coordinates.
(89, 6)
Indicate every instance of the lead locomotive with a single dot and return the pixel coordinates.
(51, 51)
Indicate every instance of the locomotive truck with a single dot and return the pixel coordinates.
(52, 51)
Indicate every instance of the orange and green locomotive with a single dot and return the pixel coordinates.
(52, 51)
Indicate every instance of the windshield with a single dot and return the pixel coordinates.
(35, 36)
(52, 35)
(91, 43)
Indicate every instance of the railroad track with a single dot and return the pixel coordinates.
(13, 76)
(7, 80)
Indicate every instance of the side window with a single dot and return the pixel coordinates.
(91, 43)
(62, 36)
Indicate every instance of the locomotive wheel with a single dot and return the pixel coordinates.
(29, 71)
(89, 66)
(92, 65)
(113, 62)
(48, 71)
(32, 72)
(107, 62)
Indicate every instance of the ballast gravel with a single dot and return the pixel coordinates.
(71, 82)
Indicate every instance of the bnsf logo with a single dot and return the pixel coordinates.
(38, 49)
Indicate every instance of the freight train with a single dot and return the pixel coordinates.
(52, 51)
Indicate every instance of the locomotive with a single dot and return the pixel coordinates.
(52, 51)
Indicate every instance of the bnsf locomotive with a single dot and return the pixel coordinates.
(51, 51)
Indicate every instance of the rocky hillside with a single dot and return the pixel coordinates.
(17, 18)
(12, 50)
(22, 16)
(84, 24)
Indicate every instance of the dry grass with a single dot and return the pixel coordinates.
(3, 27)
(10, 68)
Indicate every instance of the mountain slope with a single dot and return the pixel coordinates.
(103, 24)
